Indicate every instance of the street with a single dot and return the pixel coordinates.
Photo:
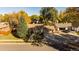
(24, 47)
(63, 42)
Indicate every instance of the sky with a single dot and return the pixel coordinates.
(29, 10)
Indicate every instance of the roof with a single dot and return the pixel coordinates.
(33, 25)
(4, 24)
(50, 27)
(63, 25)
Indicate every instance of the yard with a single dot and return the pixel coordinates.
(10, 39)
(7, 37)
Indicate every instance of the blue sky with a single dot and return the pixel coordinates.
(29, 10)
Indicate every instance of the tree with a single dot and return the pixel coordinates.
(70, 10)
(49, 15)
(41, 19)
(6, 17)
(13, 20)
(1, 18)
(71, 15)
(34, 19)
(22, 28)
(60, 17)
(25, 15)
(37, 35)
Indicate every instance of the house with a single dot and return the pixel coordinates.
(50, 28)
(64, 26)
(4, 28)
(75, 29)
(34, 25)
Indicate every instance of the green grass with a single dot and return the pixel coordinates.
(7, 37)
(77, 33)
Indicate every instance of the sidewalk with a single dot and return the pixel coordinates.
(11, 41)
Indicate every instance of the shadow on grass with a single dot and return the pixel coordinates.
(14, 33)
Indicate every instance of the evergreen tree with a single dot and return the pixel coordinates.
(22, 28)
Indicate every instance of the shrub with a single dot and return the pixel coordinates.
(36, 35)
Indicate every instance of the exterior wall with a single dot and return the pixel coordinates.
(76, 29)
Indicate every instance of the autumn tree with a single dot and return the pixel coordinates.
(1, 18)
(13, 20)
(6, 17)
(25, 15)
(71, 15)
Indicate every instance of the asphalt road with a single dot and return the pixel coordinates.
(24, 47)
(64, 42)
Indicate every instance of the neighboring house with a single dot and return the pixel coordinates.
(59, 26)
(50, 28)
(75, 28)
(64, 26)
(33, 25)
(4, 28)
(35, 22)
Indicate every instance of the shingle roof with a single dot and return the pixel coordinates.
(4, 24)
(63, 25)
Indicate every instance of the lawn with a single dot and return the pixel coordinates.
(7, 37)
